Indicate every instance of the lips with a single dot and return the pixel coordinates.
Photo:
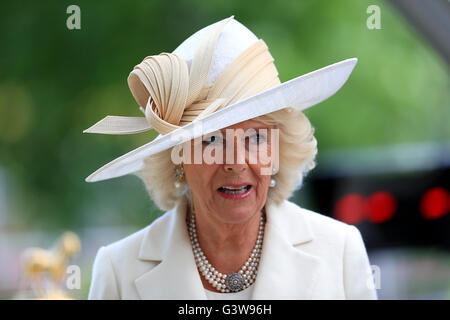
(235, 191)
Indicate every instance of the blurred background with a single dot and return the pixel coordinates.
(384, 139)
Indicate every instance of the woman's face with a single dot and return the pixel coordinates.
(236, 189)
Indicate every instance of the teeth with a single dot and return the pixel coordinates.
(232, 190)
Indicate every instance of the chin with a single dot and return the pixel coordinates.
(236, 213)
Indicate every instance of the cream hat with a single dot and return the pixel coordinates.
(221, 75)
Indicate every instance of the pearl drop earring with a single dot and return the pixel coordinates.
(179, 175)
(273, 183)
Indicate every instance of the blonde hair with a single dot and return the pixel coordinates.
(297, 151)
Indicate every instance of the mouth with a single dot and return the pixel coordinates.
(235, 191)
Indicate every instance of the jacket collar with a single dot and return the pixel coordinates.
(285, 271)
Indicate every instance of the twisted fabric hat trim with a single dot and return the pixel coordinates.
(171, 95)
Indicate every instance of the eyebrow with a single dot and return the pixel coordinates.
(257, 127)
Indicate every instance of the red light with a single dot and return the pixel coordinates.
(350, 208)
(434, 203)
(380, 207)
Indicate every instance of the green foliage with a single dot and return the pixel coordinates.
(55, 82)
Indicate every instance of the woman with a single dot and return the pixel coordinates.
(232, 148)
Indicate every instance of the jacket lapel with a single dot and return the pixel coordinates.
(176, 276)
(285, 271)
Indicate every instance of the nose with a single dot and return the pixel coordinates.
(234, 156)
(235, 168)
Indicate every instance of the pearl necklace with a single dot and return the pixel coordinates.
(236, 281)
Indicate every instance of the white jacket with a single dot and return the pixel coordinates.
(305, 255)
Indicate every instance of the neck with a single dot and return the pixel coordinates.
(227, 246)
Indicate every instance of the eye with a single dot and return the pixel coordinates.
(257, 138)
(213, 139)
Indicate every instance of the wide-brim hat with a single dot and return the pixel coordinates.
(219, 76)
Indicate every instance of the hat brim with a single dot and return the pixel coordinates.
(300, 93)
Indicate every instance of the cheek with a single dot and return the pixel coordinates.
(262, 174)
(199, 177)
(263, 152)
(263, 165)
